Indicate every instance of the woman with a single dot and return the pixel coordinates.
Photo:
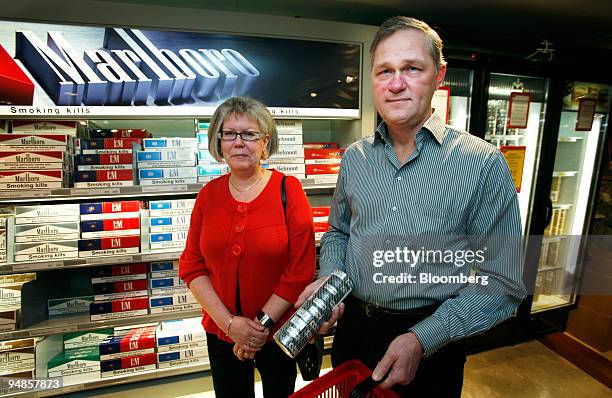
(244, 261)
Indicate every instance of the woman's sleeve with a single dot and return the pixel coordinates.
(191, 262)
(302, 252)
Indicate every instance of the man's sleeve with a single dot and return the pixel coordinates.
(335, 241)
(494, 225)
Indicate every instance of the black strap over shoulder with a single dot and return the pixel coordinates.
(284, 195)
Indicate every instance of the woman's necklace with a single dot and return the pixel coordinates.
(249, 187)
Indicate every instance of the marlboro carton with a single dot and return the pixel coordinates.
(121, 308)
(44, 127)
(44, 214)
(59, 250)
(27, 233)
(91, 338)
(69, 306)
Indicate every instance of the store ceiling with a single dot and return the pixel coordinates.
(585, 22)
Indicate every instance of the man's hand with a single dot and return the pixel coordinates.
(402, 357)
(336, 311)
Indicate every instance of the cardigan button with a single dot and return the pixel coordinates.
(242, 208)
(236, 250)
(239, 227)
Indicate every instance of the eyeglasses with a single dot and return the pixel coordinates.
(245, 135)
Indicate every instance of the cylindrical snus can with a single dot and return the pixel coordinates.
(305, 322)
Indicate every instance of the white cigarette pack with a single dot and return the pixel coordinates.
(47, 211)
(176, 163)
(287, 126)
(184, 362)
(105, 151)
(167, 173)
(166, 155)
(126, 371)
(27, 233)
(289, 152)
(290, 139)
(59, 250)
(289, 168)
(164, 269)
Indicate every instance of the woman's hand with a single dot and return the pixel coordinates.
(245, 352)
(247, 333)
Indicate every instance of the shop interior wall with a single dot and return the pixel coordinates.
(146, 16)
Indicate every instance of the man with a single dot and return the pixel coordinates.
(418, 178)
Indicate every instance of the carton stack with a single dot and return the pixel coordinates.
(170, 221)
(320, 216)
(34, 161)
(168, 292)
(128, 352)
(323, 165)
(17, 360)
(75, 365)
(10, 299)
(46, 232)
(109, 228)
(180, 343)
(119, 291)
(167, 161)
(208, 168)
(289, 158)
(105, 162)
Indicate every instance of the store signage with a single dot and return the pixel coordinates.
(518, 113)
(515, 158)
(440, 102)
(69, 70)
(586, 114)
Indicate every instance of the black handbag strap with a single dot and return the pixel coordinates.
(284, 197)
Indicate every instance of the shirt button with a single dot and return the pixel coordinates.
(394, 208)
(236, 250)
(242, 208)
(239, 227)
(399, 178)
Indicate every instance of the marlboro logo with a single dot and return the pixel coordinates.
(27, 178)
(130, 69)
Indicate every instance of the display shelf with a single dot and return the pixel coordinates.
(570, 139)
(548, 268)
(45, 265)
(311, 186)
(564, 173)
(117, 380)
(77, 323)
(504, 137)
(562, 206)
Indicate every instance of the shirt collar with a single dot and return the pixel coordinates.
(433, 125)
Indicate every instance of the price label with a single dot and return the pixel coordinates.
(160, 256)
(25, 194)
(107, 260)
(96, 192)
(37, 266)
(162, 188)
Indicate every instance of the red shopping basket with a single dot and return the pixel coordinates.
(339, 383)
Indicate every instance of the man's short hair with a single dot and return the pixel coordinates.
(242, 106)
(397, 23)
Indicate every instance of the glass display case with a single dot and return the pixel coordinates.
(521, 141)
(460, 82)
(581, 132)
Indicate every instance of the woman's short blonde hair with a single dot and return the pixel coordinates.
(242, 106)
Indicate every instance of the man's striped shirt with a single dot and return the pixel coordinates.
(454, 195)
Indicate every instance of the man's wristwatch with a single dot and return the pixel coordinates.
(265, 320)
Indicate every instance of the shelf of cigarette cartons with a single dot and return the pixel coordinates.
(311, 186)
